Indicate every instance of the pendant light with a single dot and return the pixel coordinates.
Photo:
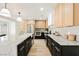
(19, 17)
(5, 11)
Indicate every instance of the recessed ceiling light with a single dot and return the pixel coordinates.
(41, 9)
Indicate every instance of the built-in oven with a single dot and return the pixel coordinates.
(37, 33)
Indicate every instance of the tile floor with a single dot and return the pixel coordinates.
(39, 48)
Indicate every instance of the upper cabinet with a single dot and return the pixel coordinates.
(76, 14)
(58, 16)
(46, 23)
(66, 14)
(63, 15)
(27, 26)
(41, 23)
(30, 25)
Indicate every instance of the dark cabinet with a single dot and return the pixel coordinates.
(70, 50)
(21, 49)
(24, 47)
(55, 48)
(50, 45)
(57, 51)
(28, 44)
(61, 50)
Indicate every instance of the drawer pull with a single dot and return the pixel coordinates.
(57, 49)
(21, 48)
(53, 44)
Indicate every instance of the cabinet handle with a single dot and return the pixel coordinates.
(21, 48)
(57, 49)
(53, 44)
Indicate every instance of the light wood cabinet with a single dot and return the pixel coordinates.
(41, 24)
(30, 25)
(63, 15)
(67, 14)
(25, 23)
(76, 14)
(58, 16)
(46, 24)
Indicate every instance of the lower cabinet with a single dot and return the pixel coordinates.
(70, 50)
(24, 47)
(28, 44)
(21, 49)
(54, 48)
(61, 50)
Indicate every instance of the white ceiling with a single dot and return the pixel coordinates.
(29, 10)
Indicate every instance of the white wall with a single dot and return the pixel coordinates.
(50, 19)
(10, 28)
(65, 30)
(3, 27)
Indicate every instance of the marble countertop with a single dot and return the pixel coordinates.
(15, 41)
(63, 41)
(23, 37)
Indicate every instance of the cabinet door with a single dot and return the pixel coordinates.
(46, 24)
(40, 24)
(63, 15)
(28, 44)
(68, 14)
(58, 16)
(76, 13)
(21, 49)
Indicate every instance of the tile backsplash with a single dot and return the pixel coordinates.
(65, 30)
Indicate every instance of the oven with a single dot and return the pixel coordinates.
(38, 33)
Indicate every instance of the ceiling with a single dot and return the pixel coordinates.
(29, 10)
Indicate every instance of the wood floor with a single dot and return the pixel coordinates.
(39, 48)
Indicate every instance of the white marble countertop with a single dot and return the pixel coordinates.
(8, 47)
(63, 41)
(23, 37)
(15, 41)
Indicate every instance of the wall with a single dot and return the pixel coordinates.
(24, 26)
(30, 25)
(50, 19)
(3, 26)
(64, 31)
(10, 29)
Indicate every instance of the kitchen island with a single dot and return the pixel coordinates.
(60, 46)
(11, 47)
